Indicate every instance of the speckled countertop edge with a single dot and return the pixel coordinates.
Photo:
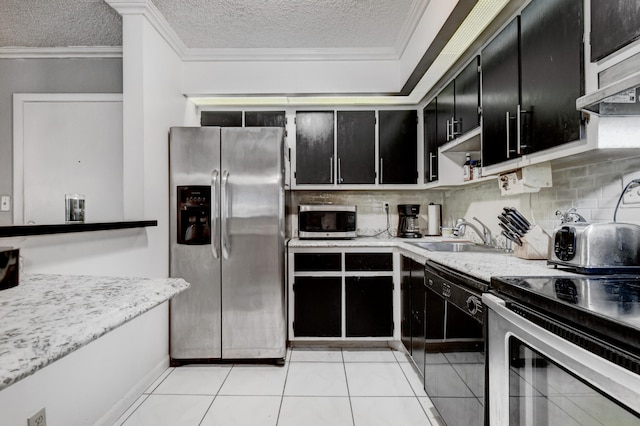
(49, 316)
(479, 265)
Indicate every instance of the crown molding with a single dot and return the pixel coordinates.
(289, 54)
(155, 17)
(406, 32)
(147, 9)
(60, 52)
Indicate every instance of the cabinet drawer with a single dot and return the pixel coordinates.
(308, 262)
(368, 261)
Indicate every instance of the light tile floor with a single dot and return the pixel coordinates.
(314, 387)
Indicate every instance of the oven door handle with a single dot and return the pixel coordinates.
(492, 301)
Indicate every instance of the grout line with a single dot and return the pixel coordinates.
(414, 392)
(216, 395)
(286, 376)
(165, 374)
(146, 396)
(346, 380)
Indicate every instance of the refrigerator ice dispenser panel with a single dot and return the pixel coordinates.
(194, 215)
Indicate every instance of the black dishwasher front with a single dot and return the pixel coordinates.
(455, 344)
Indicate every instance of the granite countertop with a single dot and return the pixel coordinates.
(49, 316)
(482, 266)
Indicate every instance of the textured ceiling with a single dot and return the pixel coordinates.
(287, 24)
(59, 23)
(236, 24)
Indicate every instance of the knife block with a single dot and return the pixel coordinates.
(535, 245)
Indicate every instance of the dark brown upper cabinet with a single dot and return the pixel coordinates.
(356, 139)
(614, 24)
(314, 147)
(398, 141)
(532, 74)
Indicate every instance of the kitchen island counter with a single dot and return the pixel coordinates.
(49, 316)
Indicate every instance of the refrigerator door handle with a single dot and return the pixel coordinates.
(215, 243)
(226, 208)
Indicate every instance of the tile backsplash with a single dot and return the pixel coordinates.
(372, 218)
(593, 188)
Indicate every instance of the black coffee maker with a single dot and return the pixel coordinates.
(408, 223)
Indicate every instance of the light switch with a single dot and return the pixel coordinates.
(5, 203)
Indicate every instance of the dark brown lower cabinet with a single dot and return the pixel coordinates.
(405, 302)
(418, 315)
(318, 307)
(413, 295)
(369, 306)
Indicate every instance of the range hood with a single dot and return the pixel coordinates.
(619, 98)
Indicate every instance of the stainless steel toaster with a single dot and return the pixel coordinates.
(596, 248)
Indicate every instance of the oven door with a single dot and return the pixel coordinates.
(538, 378)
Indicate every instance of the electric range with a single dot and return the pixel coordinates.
(606, 305)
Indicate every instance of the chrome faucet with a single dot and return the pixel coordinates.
(485, 234)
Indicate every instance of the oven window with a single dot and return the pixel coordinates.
(542, 393)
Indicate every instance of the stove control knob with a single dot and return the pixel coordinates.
(474, 305)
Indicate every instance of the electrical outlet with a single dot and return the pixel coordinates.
(38, 419)
(5, 203)
(632, 196)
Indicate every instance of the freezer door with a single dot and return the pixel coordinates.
(195, 327)
(252, 211)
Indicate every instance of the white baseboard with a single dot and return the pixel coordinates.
(131, 397)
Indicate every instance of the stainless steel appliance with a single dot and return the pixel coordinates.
(455, 345)
(408, 221)
(597, 248)
(227, 240)
(328, 221)
(564, 350)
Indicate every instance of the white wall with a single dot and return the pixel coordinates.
(152, 103)
(82, 75)
(287, 77)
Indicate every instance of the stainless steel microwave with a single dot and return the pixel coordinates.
(326, 221)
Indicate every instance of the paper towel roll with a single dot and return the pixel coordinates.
(434, 219)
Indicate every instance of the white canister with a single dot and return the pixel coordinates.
(434, 218)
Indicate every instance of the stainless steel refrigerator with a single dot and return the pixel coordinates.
(227, 240)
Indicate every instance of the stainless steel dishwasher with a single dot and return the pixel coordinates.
(455, 344)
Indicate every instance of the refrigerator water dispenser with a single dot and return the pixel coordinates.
(194, 215)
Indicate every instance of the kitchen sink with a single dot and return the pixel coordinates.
(456, 247)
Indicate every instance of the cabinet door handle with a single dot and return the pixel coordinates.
(432, 176)
(520, 146)
(454, 133)
(508, 119)
(508, 138)
(339, 171)
(381, 170)
(330, 169)
(448, 134)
